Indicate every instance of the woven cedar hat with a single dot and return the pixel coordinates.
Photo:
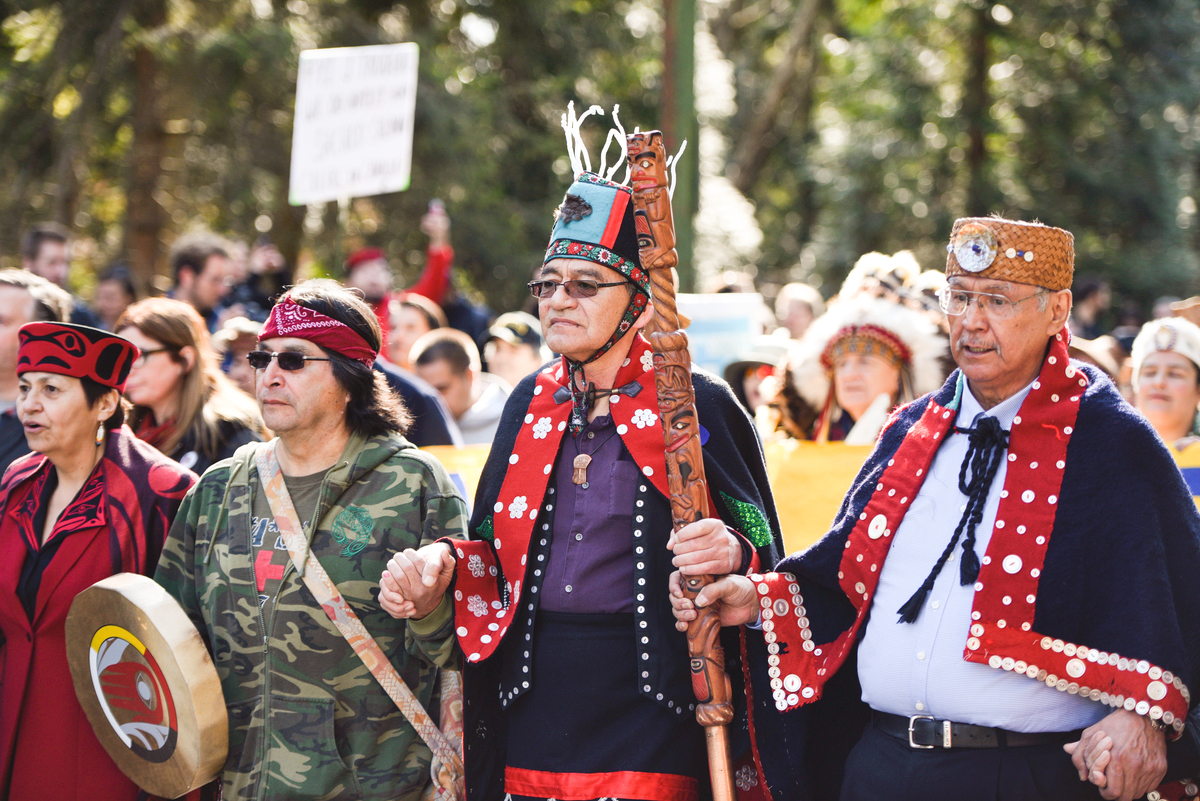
(1007, 250)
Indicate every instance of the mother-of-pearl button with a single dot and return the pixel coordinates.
(1156, 690)
(1076, 668)
(875, 529)
(1027, 496)
(791, 682)
(1012, 564)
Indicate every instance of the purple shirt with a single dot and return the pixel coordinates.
(590, 568)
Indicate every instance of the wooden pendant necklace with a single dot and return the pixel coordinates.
(581, 465)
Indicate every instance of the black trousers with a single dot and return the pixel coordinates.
(881, 766)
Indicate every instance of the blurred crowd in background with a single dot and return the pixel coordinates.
(824, 369)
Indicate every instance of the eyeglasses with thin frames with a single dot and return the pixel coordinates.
(955, 302)
(145, 355)
(575, 289)
(288, 360)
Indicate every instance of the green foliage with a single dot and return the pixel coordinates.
(1086, 113)
(1088, 123)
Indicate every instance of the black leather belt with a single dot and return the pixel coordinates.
(925, 731)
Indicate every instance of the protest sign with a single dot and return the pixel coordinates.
(353, 129)
(809, 481)
(722, 326)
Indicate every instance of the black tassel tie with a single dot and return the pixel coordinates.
(988, 443)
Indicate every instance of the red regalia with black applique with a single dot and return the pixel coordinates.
(116, 524)
(1084, 586)
(496, 588)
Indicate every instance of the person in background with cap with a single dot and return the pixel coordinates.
(1013, 566)
(754, 365)
(576, 684)
(514, 347)
(1166, 385)
(92, 500)
(237, 337)
(368, 271)
(295, 689)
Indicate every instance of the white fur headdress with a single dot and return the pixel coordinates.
(914, 329)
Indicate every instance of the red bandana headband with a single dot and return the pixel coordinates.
(290, 319)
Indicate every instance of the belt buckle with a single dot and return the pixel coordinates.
(912, 720)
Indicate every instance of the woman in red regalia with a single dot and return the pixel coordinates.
(91, 500)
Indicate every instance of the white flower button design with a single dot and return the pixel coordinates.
(477, 606)
(541, 428)
(648, 361)
(475, 565)
(644, 417)
(517, 507)
(746, 777)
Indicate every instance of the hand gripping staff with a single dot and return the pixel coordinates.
(447, 768)
(685, 462)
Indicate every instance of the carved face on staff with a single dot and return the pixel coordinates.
(648, 175)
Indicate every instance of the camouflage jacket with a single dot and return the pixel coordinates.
(306, 717)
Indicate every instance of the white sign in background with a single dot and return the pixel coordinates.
(722, 326)
(353, 129)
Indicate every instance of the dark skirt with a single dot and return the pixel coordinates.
(584, 730)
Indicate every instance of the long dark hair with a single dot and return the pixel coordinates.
(374, 407)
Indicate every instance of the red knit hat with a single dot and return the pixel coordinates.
(77, 351)
(363, 255)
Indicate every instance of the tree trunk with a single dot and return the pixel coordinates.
(144, 216)
(73, 139)
(976, 105)
(761, 134)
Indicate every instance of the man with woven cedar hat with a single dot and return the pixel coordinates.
(317, 511)
(577, 685)
(1012, 567)
(92, 500)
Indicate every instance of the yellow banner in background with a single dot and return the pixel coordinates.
(809, 481)
(464, 465)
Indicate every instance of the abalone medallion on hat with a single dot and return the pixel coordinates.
(974, 246)
(1165, 338)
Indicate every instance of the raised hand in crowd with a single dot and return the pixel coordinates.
(415, 581)
(1123, 755)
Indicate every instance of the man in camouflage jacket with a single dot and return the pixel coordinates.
(306, 717)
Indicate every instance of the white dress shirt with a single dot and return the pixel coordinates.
(918, 668)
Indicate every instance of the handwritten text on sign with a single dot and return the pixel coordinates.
(354, 122)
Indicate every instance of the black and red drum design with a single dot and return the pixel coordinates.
(146, 682)
(133, 693)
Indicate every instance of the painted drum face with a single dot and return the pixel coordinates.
(133, 693)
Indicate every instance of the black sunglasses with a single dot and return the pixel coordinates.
(288, 360)
(575, 289)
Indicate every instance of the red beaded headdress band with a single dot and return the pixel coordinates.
(290, 319)
(869, 340)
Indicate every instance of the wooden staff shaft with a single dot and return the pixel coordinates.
(681, 428)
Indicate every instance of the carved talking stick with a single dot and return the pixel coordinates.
(685, 462)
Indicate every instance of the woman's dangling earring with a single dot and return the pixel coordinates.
(100, 434)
